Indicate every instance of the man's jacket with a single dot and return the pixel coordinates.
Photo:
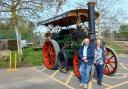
(90, 54)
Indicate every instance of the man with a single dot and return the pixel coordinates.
(86, 53)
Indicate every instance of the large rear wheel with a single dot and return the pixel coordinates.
(111, 63)
(50, 53)
(76, 64)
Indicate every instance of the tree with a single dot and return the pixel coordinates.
(6, 32)
(107, 16)
(123, 32)
(26, 31)
(14, 10)
(59, 5)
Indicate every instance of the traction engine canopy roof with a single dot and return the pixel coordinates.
(68, 18)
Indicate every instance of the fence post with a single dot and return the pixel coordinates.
(11, 68)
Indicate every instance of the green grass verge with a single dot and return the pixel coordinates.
(32, 57)
(4, 64)
(115, 46)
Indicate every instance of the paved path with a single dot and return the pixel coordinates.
(27, 78)
(43, 78)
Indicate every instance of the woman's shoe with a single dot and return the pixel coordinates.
(81, 85)
(85, 86)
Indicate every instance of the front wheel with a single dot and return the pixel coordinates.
(50, 53)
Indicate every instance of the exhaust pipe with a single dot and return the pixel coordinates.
(91, 21)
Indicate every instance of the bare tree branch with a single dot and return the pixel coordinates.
(5, 10)
(25, 8)
(3, 19)
(18, 2)
(29, 2)
(5, 4)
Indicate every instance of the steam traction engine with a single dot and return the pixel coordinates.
(62, 43)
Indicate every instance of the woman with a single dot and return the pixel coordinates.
(99, 60)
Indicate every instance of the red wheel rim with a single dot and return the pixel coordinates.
(49, 54)
(76, 64)
(110, 66)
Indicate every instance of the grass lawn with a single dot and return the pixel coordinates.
(4, 64)
(115, 46)
(31, 58)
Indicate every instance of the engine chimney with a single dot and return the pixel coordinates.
(91, 20)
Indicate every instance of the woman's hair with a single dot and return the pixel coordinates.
(98, 39)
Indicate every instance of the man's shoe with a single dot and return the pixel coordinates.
(81, 85)
(100, 84)
(85, 86)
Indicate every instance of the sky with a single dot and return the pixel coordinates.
(72, 4)
(121, 6)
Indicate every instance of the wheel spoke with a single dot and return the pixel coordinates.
(76, 63)
(46, 56)
(51, 48)
(107, 68)
(112, 62)
(111, 57)
(52, 62)
(111, 66)
(77, 60)
(45, 47)
(52, 52)
(52, 57)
